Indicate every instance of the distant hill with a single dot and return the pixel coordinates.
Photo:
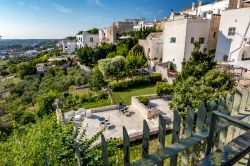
(6, 44)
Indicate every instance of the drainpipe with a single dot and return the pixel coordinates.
(242, 40)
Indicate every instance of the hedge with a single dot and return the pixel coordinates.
(163, 89)
(143, 99)
(137, 81)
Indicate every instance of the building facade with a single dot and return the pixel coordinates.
(234, 35)
(179, 37)
(143, 25)
(68, 46)
(206, 10)
(88, 39)
(113, 33)
(153, 46)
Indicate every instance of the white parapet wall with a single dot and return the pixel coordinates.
(103, 109)
(145, 111)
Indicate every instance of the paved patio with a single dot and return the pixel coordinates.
(132, 120)
(162, 105)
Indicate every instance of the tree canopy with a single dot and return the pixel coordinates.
(199, 81)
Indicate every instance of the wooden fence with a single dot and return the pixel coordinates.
(193, 140)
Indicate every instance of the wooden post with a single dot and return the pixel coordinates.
(104, 151)
(201, 116)
(188, 133)
(229, 107)
(126, 146)
(248, 163)
(78, 155)
(210, 139)
(221, 136)
(229, 103)
(161, 135)
(46, 159)
(244, 100)
(175, 135)
(145, 141)
(212, 107)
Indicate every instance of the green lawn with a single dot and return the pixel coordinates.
(125, 95)
(97, 103)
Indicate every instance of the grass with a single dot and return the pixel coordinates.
(97, 103)
(125, 95)
(5, 82)
(136, 149)
(3, 63)
(81, 91)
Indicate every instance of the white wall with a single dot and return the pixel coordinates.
(183, 30)
(197, 28)
(174, 52)
(231, 46)
(215, 8)
(68, 46)
(155, 46)
(85, 39)
(143, 24)
(206, 11)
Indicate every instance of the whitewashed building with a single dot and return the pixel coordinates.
(234, 36)
(68, 46)
(153, 47)
(179, 36)
(41, 67)
(91, 40)
(143, 25)
(206, 10)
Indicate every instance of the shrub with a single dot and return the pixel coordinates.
(137, 81)
(143, 99)
(163, 89)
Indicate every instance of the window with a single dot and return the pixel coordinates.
(192, 39)
(91, 40)
(173, 40)
(215, 34)
(201, 40)
(231, 31)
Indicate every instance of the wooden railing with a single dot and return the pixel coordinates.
(193, 140)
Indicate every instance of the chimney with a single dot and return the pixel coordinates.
(234, 4)
(172, 15)
(200, 2)
(239, 4)
(193, 4)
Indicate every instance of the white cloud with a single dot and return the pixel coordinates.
(61, 8)
(34, 7)
(20, 3)
(96, 2)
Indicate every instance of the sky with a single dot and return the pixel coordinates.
(56, 19)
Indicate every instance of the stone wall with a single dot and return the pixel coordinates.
(103, 109)
(213, 31)
(163, 71)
